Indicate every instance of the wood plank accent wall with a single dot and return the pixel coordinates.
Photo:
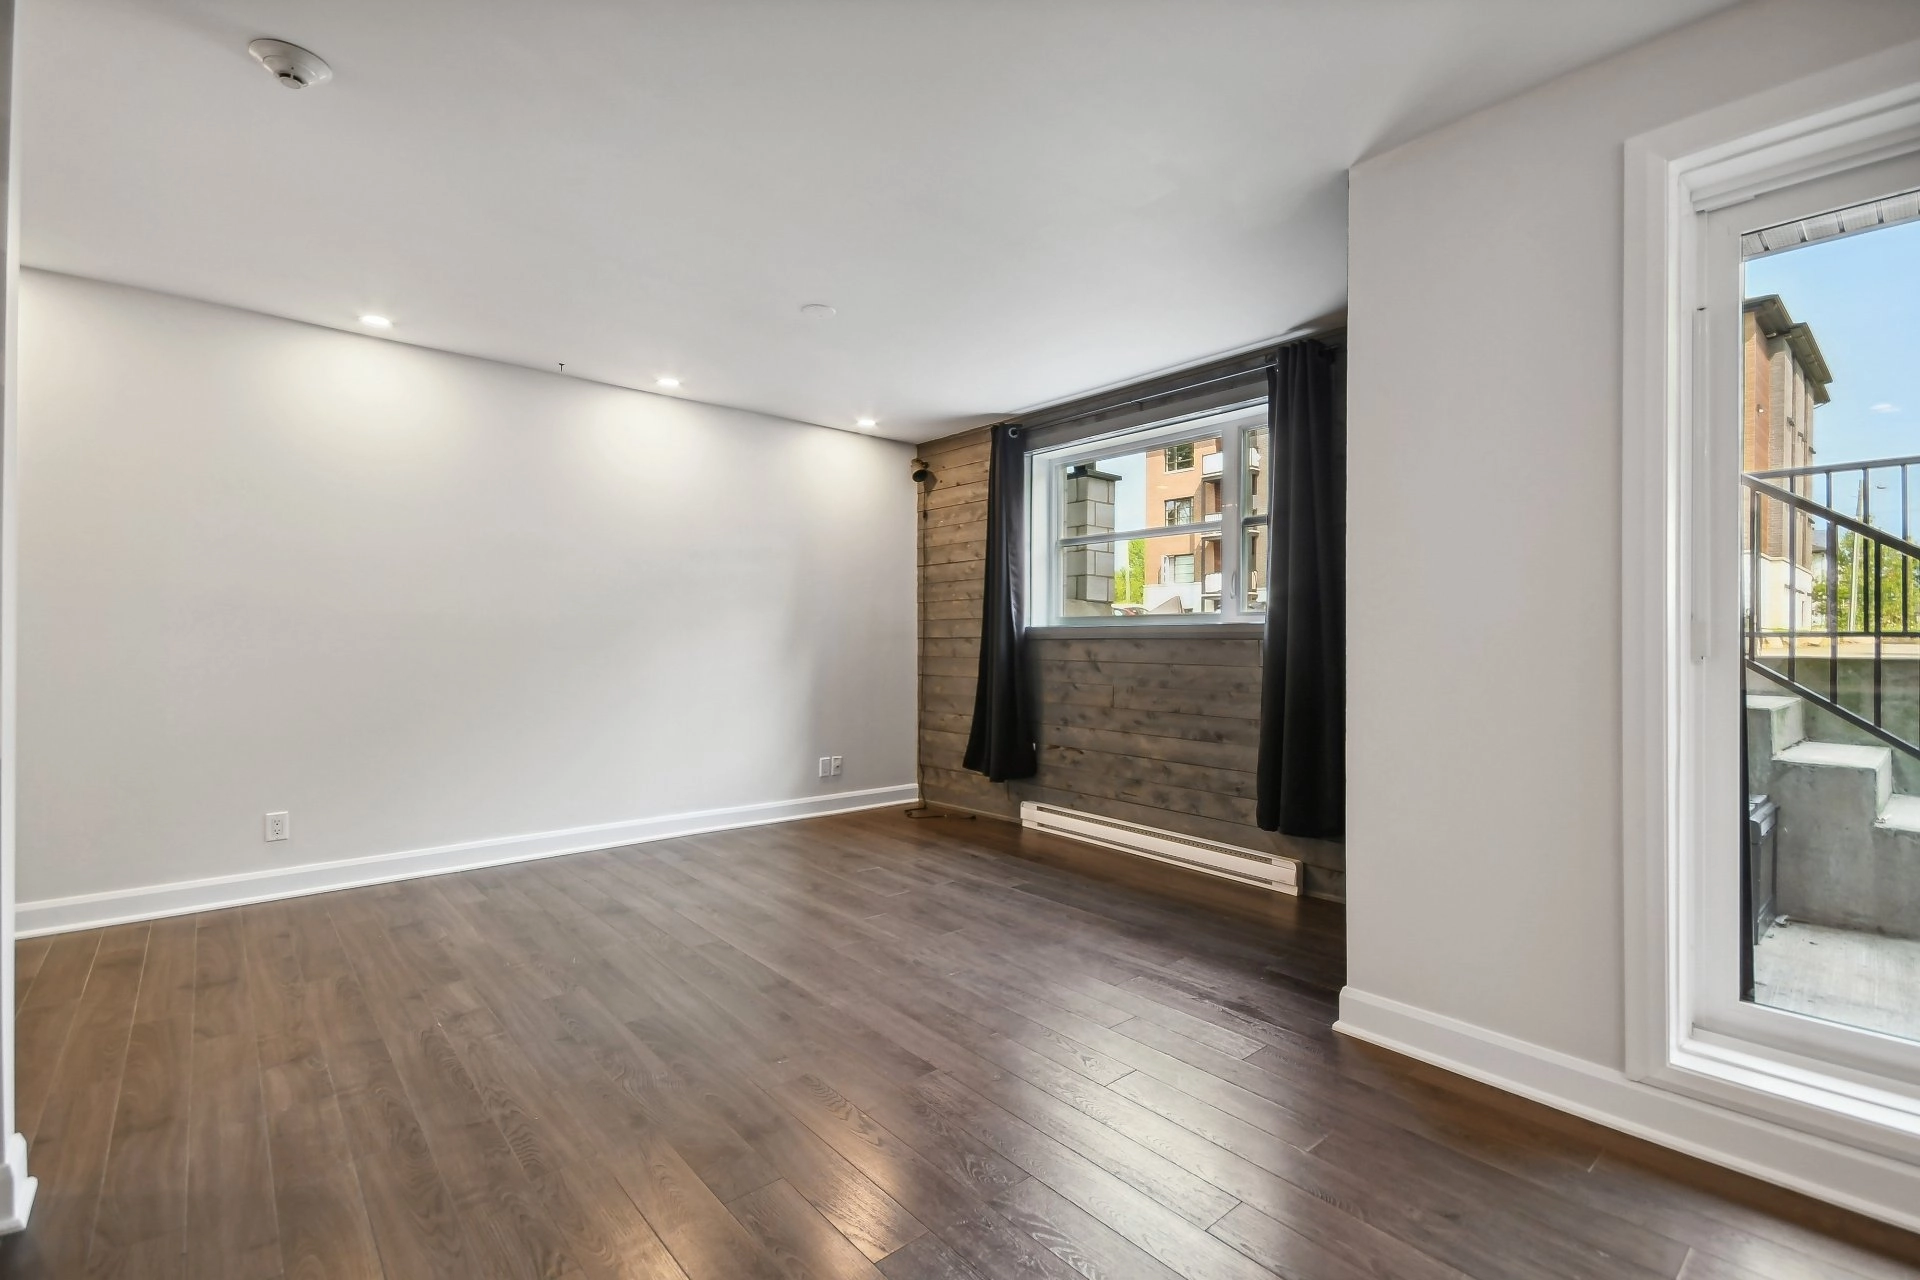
(1160, 730)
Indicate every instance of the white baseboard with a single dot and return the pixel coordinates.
(16, 1188)
(149, 902)
(1862, 1181)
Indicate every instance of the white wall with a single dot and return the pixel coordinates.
(1483, 863)
(417, 599)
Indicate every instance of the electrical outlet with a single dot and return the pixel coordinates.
(279, 826)
(836, 766)
(826, 766)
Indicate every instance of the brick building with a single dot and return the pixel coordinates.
(1786, 379)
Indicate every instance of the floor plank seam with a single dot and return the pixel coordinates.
(106, 1164)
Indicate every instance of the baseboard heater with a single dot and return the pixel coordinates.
(1263, 870)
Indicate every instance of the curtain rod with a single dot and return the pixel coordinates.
(1038, 418)
(1174, 390)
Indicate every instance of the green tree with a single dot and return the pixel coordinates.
(1850, 583)
(1130, 583)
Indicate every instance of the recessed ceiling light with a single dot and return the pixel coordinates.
(669, 383)
(865, 422)
(816, 310)
(376, 322)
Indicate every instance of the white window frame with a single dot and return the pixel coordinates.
(1679, 795)
(1046, 467)
(1719, 1011)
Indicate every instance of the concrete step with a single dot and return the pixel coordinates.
(1810, 720)
(1774, 723)
(1902, 813)
(1869, 767)
(1848, 852)
(1826, 876)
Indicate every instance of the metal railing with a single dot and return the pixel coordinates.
(1848, 487)
(1843, 583)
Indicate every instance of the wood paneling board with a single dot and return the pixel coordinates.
(1157, 729)
(856, 1046)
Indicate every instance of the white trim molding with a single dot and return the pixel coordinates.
(149, 902)
(1815, 1132)
(16, 1188)
(1865, 1182)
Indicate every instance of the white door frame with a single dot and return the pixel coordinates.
(1722, 1018)
(1838, 120)
(16, 1188)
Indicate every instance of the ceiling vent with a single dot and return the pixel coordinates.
(291, 65)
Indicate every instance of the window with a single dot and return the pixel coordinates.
(1158, 524)
(1811, 582)
(1769, 542)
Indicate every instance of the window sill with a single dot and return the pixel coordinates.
(1168, 630)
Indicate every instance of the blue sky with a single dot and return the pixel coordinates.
(1861, 295)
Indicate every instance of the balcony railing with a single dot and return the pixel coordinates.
(1844, 589)
(1849, 488)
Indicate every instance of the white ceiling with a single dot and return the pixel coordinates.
(1009, 201)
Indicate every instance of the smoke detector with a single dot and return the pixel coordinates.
(291, 65)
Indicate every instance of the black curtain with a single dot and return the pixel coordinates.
(1001, 744)
(1302, 780)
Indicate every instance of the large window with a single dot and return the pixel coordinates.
(1160, 524)
(1772, 817)
(1807, 576)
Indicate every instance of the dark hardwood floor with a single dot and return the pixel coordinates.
(852, 1047)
